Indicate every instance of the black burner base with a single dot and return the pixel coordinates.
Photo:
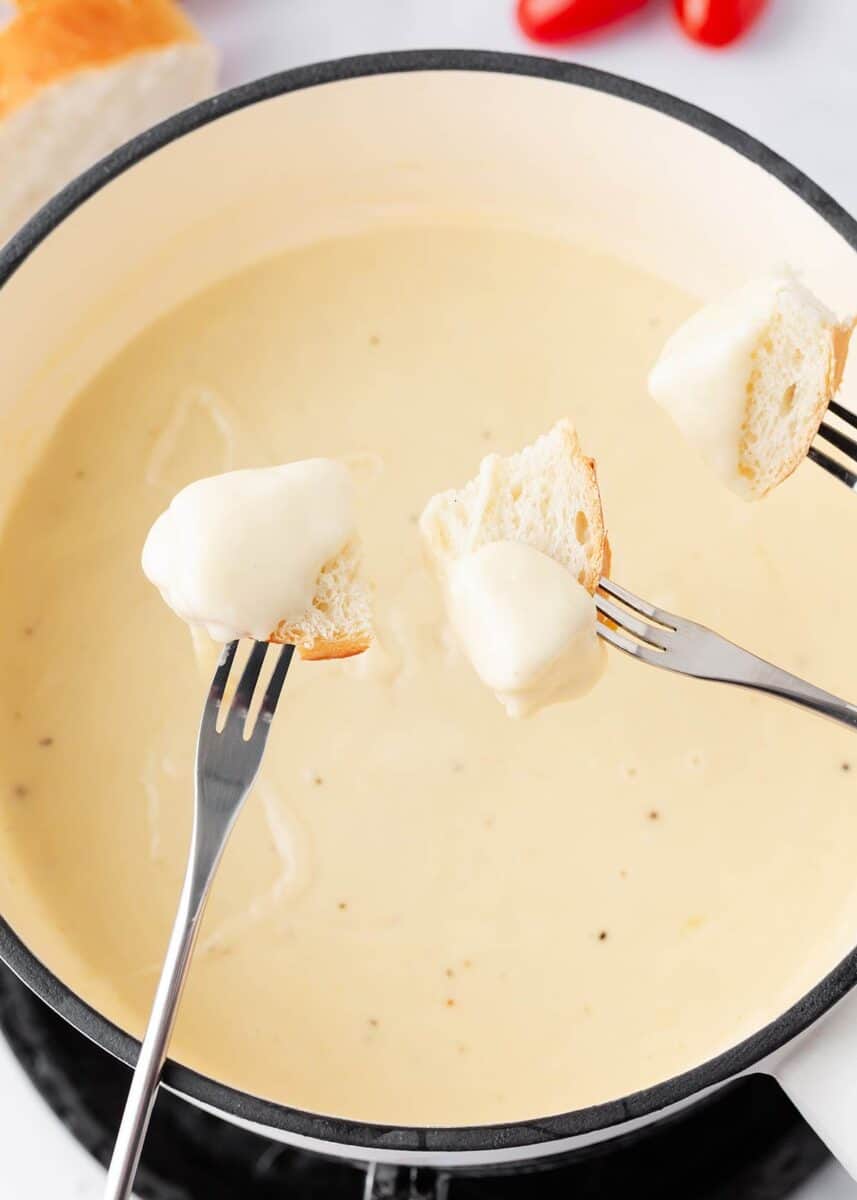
(746, 1143)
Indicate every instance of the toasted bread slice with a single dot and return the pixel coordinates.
(546, 495)
(78, 78)
(747, 379)
(339, 625)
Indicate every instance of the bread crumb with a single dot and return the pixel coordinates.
(450, 1003)
(653, 814)
(846, 767)
(20, 791)
(602, 936)
(342, 905)
(46, 741)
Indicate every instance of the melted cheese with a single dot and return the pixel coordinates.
(703, 373)
(526, 624)
(240, 552)
(406, 925)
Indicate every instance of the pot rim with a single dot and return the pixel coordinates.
(367, 1135)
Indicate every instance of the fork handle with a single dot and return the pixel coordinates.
(765, 677)
(207, 843)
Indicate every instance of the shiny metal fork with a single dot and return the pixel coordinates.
(662, 639)
(835, 437)
(228, 755)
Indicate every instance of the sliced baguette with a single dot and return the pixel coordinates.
(546, 495)
(747, 379)
(797, 370)
(78, 78)
(339, 625)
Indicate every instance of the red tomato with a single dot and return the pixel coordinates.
(557, 20)
(717, 22)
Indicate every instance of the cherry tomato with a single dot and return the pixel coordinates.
(558, 20)
(717, 22)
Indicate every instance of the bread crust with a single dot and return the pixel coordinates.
(315, 648)
(48, 40)
(319, 650)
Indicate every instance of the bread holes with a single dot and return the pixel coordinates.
(788, 400)
(581, 528)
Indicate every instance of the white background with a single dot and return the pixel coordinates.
(792, 83)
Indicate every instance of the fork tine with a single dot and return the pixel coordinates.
(837, 469)
(838, 439)
(639, 606)
(629, 623)
(221, 675)
(849, 418)
(275, 686)
(249, 679)
(636, 649)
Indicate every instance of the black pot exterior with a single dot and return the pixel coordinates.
(394, 1141)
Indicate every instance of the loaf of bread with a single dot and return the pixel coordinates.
(545, 495)
(78, 78)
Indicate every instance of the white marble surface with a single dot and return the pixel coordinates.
(793, 84)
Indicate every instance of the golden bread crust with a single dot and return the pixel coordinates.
(339, 649)
(318, 648)
(48, 40)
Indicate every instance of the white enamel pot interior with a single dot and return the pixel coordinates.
(441, 137)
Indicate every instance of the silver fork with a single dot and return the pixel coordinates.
(835, 437)
(228, 756)
(662, 639)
